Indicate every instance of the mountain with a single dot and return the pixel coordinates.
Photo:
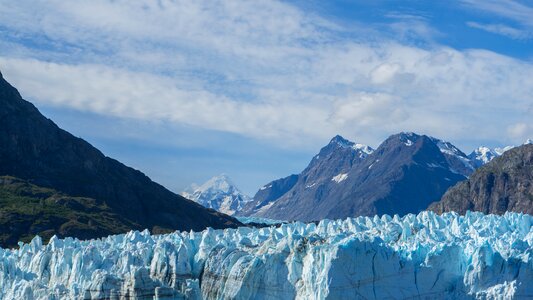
(483, 155)
(404, 175)
(218, 193)
(267, 194)
(422, 256)
(34, 149)
(503, 184)
(458, 161)
(335, 159)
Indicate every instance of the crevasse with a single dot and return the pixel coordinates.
(421, 256)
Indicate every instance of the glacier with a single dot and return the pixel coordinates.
(474, 256)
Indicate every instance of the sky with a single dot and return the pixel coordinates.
(185, 90)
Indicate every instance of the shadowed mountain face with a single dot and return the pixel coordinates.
(404, 175)
(267, 194)
(33, 148)
(503, 184)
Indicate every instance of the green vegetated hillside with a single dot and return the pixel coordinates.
(27, 210)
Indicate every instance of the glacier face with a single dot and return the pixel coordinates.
(424, 255)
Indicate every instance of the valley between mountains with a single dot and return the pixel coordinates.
(415, 218)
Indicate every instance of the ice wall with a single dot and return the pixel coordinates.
(425, 255)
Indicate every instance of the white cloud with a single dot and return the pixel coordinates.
(514, 10)
(502, 30)
(520, 131)
(261, 69)
(127, 94)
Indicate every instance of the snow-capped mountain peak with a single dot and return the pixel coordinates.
(219, 193)
(341, 142)
(482, 155)
(221, 182)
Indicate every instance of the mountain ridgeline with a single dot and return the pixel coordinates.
(36, 151)
(503, 184)
(403, 175)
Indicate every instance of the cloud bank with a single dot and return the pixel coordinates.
(266, 70)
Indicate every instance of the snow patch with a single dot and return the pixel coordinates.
(340, 177)
(432, 165)
(310, 185)
(265, 187)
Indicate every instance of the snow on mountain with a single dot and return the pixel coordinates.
(483, 155)
(218, 193)
(417, 256)
(362, 149)
(459, 162)
(500, 151)
(339, 182)
(340, 177)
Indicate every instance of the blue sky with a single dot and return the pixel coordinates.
(184, 90)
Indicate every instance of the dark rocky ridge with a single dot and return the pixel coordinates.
(268, 193)
(404, 175)
(35, 149)
(503, 184)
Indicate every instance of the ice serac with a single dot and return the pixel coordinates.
(422, 256)
(218, 193)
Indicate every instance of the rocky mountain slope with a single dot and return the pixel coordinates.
(404, 175)
(218, 193)
(35, 149)
(267, 194)
(503, 184)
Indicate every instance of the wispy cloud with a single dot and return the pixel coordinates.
(502, 29)
(265, 69)
(510, 9)
(516, 12)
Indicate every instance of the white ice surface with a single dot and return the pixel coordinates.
(421, 256)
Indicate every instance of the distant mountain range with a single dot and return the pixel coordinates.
(39, 156)
(218, 193)
(404, 175)
(503, 184)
